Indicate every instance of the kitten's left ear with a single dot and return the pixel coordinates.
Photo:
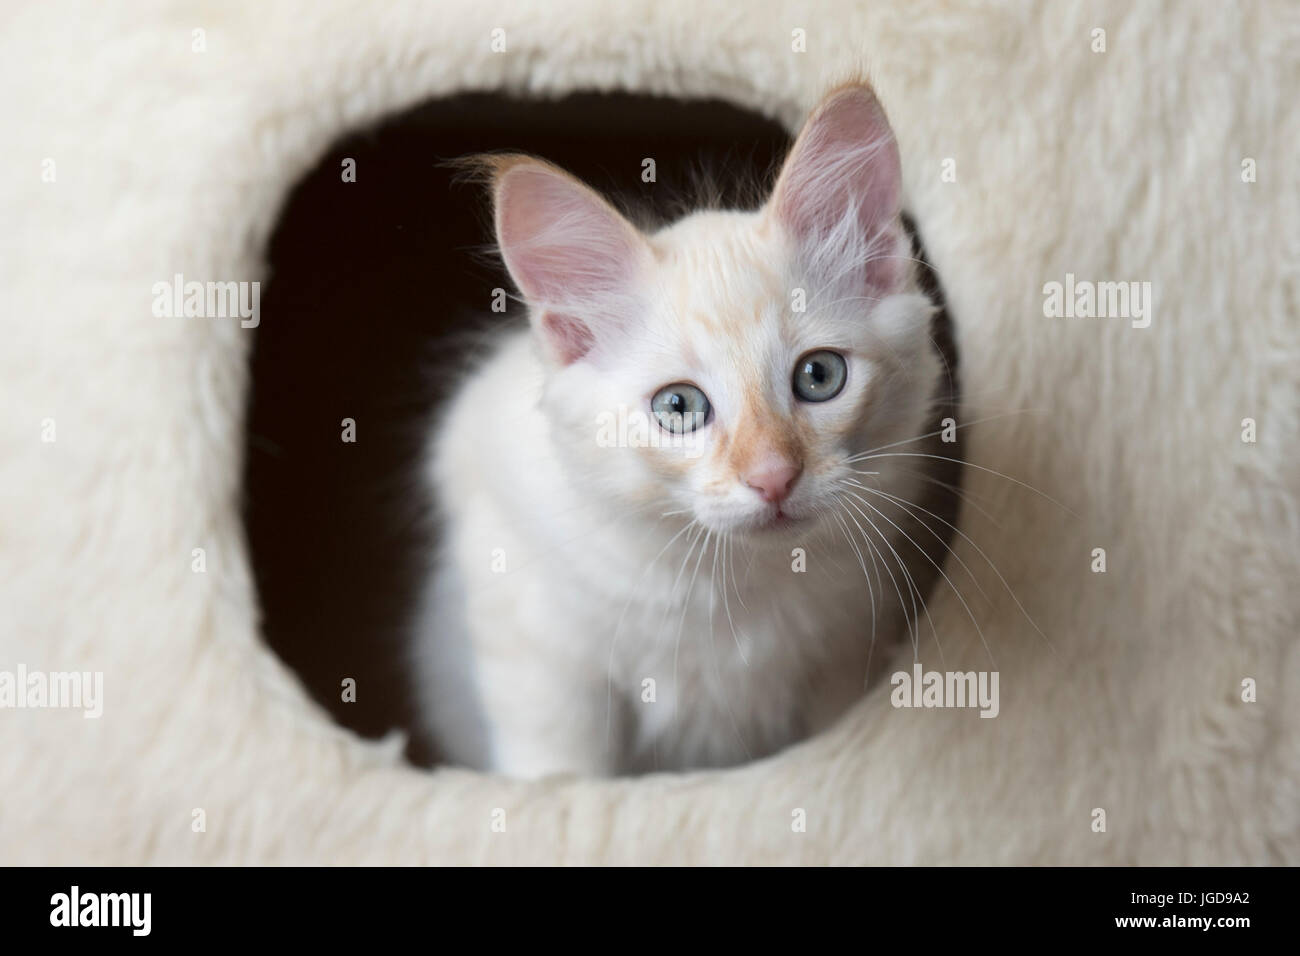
(576, 260)
(840, 192)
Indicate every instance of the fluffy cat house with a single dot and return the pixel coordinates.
(1147, 712)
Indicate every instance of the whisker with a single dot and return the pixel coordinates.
(939, 431)
(713, 649)
(739, 596)
(686, 604)
(915, 623)
(988, 560)
(910, 508)
(726, 602)
(955, 590)
(961, 493)
(853, 544)
(969, 464)
(913, 591)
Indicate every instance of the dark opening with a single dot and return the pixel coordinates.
(370, 283)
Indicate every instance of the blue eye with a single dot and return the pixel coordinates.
(680, 408)
(819, 376)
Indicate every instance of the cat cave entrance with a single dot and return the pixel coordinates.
(381, 274)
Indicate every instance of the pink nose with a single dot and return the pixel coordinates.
(773, 478)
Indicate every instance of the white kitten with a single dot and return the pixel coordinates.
(657, 553)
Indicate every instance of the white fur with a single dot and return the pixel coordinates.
(1124, 164)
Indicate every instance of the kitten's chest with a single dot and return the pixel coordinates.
(743, 667)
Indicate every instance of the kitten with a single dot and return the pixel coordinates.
(659, 550)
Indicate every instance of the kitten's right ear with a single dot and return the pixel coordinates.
(840, 192)
(577, 261)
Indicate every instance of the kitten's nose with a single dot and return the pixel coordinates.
(773, 478)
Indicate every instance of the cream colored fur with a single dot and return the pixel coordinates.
(1117, 165)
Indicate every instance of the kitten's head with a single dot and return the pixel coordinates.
(724, 368)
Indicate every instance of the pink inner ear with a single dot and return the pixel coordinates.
(570, 338)
(575, 259)
(839, 194)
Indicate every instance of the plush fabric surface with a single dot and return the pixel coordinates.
(1116, 165)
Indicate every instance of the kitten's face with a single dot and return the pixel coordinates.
(786, 396)
(726, 368)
